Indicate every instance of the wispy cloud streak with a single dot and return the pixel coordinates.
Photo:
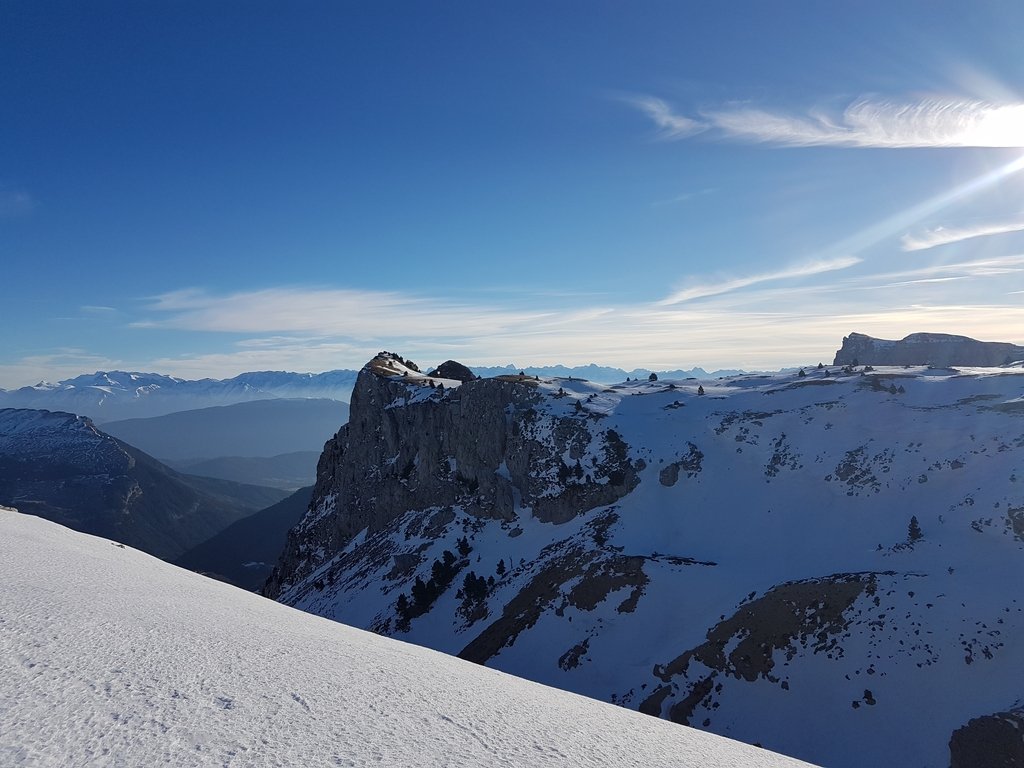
(670, 124)
(357, 314)
(692, 292)
(764, 326)
(933, 122)
(933, 238)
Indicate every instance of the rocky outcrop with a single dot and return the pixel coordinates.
(992, 741)
(451, 369)
(486, 445)
(808, 614)
(935, 349)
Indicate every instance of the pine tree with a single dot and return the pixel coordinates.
(914, 532)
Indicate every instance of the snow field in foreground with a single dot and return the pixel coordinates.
(110, 657)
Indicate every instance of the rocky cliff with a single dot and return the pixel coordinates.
(826, 563)
(420, 442)
(936, 349)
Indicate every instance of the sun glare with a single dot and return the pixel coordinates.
(999, 127)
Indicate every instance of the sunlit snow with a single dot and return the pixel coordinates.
(109, 657)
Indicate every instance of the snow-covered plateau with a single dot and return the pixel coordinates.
(826, 562)
(109, 657)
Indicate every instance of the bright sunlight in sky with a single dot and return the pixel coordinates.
(201, 189)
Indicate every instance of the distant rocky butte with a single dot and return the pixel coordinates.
(791, 559)
(936, 349)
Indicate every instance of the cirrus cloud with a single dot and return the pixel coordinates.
(933, 238)
(865, 123)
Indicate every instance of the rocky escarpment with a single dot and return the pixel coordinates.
(936, 349)
(416, 441)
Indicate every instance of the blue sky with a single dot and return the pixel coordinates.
(206, 188)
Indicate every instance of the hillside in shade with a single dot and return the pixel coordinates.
(245, 552)
(62, 467)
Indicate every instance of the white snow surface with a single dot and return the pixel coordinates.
(110, 657)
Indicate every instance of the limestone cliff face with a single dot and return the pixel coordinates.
(936, 349)
(414, 442)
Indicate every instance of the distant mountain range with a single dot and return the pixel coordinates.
(62, 467)
(259, 428)
(107, 396)
(598, 373)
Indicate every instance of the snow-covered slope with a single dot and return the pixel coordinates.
(109, 657)
(826, 562)
(108, 395)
